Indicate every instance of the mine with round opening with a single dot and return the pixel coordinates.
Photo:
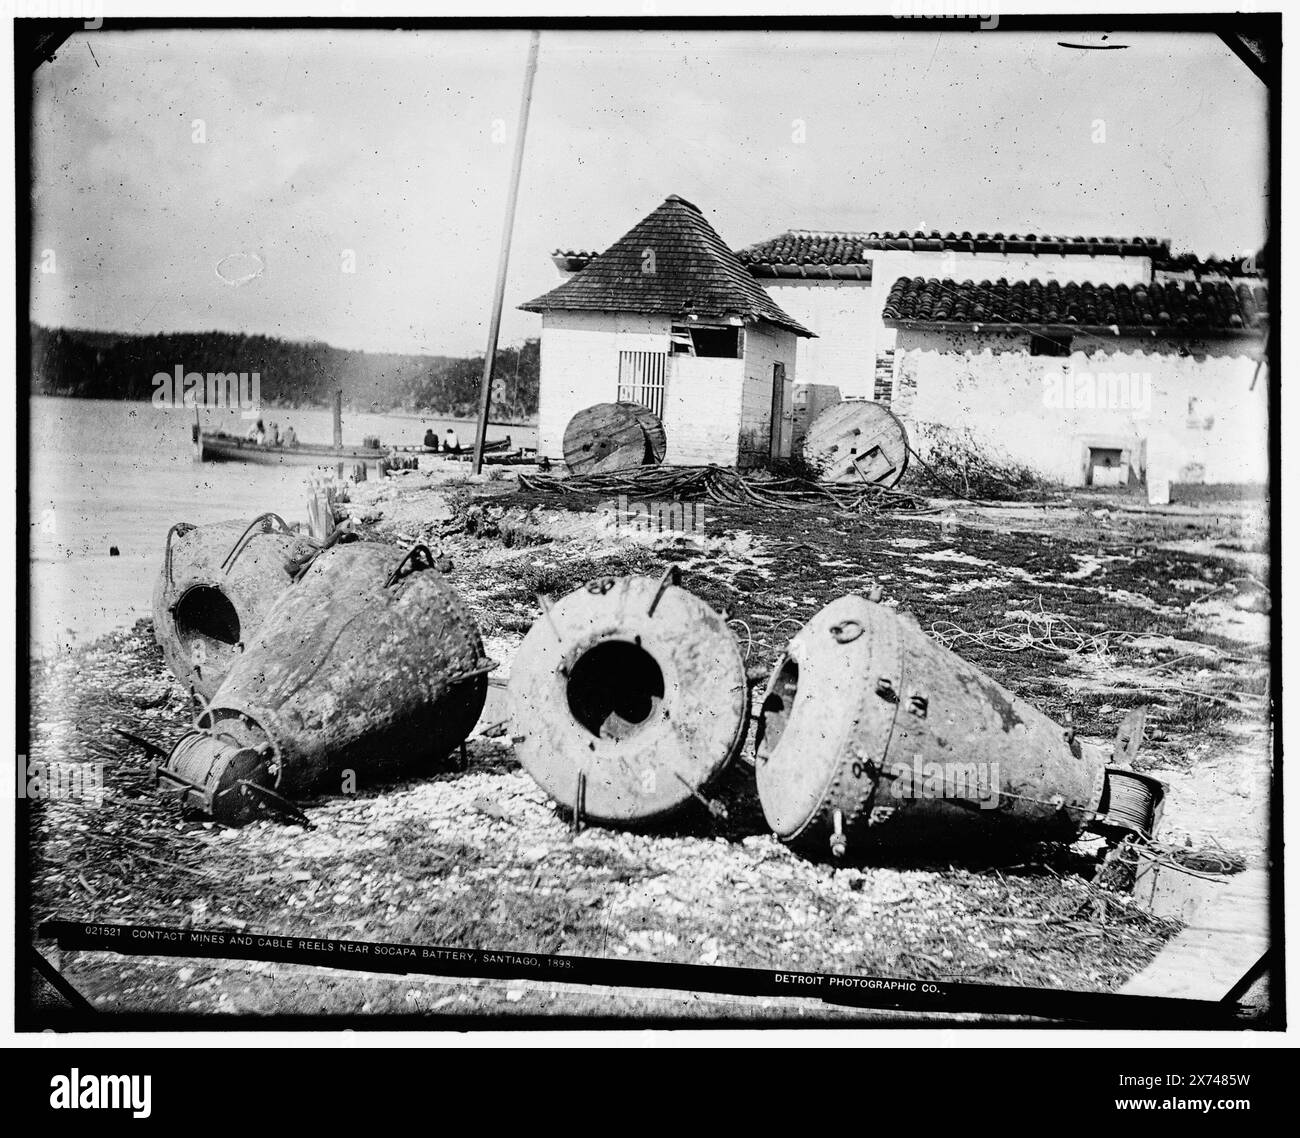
(777, 707)
(206, 616)
(615, 688)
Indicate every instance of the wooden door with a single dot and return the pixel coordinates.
(778, 410)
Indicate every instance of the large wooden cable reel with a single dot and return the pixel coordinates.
(654, 430)
(613, 436)
(857, 442)
(629, 695)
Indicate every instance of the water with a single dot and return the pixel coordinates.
(108, 473)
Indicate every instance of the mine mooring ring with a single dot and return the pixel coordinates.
(846, 631)
(411, 556)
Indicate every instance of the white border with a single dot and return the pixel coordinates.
(759, 1037)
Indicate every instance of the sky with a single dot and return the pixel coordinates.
(350, 186)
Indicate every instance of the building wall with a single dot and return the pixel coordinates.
(846, 314)
(840, 312)
(1188, 406)
(766, 346)
(888, 265)
(702, 410)
(708, 403)
(579, 364)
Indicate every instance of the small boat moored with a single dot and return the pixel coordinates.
(221, 447)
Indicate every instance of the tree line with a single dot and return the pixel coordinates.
(103, 365)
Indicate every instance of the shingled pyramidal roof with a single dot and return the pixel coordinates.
(691, 271)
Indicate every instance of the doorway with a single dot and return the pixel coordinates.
(778, 410)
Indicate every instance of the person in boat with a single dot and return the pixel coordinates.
(451, 442)
(251, 436)
(431, 440)
(290, 436)
(276, 437)
(259, 436)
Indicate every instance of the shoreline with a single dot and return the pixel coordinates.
(269, 405)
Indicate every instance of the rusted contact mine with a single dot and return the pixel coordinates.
(871, 734)
(629, 696)
(215, 587)
(357, 669)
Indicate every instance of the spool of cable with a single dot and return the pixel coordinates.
(1131, 803)
(209, 772)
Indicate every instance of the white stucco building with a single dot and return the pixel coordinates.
(670, 318)
(1061, 354)
(1090, 385)
(836, 283)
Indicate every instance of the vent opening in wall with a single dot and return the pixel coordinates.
(1058, 346)
(1107, 467)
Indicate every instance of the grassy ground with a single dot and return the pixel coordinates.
(1084, 609)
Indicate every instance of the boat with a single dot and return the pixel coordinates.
(221, 447)
(522, 456)
(491, 446)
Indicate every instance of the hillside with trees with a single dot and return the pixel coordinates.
(100, 365)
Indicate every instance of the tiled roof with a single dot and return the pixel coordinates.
(1239, 266)
(1181, 308)
(572, 260)
(813, 247)
(693, 272)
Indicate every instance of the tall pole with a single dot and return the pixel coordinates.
(338, 431)
(494, 328)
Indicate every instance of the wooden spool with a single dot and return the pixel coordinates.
(654, 429)
(857, 442)
(613, 436)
